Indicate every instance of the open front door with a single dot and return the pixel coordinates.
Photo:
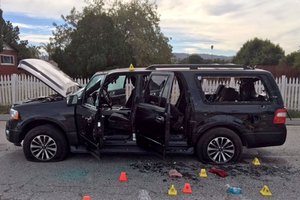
(89, 116)
(152, 118)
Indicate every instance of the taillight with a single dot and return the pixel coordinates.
(280, 116)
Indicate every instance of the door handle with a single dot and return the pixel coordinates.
(160, 119)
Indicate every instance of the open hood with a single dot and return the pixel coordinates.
(49, 74)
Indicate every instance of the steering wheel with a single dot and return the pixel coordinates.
(107, 98)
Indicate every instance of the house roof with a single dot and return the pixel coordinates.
(8, 47)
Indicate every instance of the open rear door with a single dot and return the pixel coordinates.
(152, 118)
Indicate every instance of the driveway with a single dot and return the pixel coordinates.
(83, 174)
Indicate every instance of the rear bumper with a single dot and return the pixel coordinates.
(265, 139)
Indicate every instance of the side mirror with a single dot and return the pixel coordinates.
(72, 100)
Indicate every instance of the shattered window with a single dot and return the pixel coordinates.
(233, 89)
(156, 89)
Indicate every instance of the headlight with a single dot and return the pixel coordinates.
(14, 114)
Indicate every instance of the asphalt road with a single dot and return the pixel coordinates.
(83, 174)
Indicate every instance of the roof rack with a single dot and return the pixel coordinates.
(196, 66)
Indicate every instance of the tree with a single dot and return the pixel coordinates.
(259, 52)
(99, 38)
(49, 48)
(297, 61)
(138, 21)
(96, 44)
(62, 33)
(1, 31)
(10, 33)
(10, 36)
(193, 59)
(292, 59)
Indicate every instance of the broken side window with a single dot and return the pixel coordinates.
(234, 89)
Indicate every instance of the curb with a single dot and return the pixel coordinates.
(293, 122)
(4, 117)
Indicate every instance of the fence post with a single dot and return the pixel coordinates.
(13, 79)
(283, 88)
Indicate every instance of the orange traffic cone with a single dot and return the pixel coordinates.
(86, 198)
(123, 177)
(187, 189)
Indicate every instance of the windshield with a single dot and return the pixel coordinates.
(92, 89)
(94, 81)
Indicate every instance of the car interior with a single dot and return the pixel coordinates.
(117, 97)
(234, 89)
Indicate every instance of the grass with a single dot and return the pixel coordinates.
(4, 109)
(293, 114)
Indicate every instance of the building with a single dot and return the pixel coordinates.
(8, 54)
(8, 60)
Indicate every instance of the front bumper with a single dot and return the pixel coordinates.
(12, 132)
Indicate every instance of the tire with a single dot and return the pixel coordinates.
(219, 146)
(45, 143)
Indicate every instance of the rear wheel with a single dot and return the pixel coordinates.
(219, 146)
(45, 143)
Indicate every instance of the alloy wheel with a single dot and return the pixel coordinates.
(221, 150)
(43, 147)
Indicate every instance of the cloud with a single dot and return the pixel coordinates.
(34, 27)
(35, 39)
(52, 9)
(193, 25)
(229, 24)
(222, 8)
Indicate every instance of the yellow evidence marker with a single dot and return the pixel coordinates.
(172, 191)
(203, 173)
(265, 191)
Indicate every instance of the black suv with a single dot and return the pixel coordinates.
(214, 110)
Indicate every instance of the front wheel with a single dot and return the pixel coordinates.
(45, 143)
(219, 146)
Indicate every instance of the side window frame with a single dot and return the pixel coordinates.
(162, 92)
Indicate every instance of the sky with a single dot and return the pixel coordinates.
(192, 26)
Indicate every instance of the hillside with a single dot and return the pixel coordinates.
(181, 56)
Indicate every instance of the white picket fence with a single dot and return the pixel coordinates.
(16, 88)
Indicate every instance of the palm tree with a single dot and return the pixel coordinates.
(49, 48)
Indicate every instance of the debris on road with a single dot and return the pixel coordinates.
(188, 171)
(218, 172)
(233, 190)
(144, 195)
(263, 170)
(174, 173)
